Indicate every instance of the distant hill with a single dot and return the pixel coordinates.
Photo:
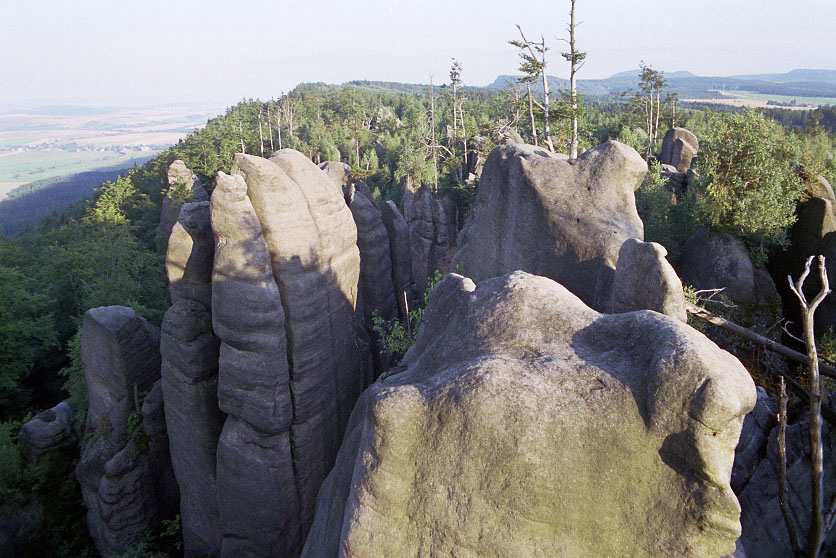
(797, 83)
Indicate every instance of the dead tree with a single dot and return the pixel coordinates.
(820, 525)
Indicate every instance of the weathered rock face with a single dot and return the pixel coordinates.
(542, 439)
(814, 233)
(432, 233)
(401, 255)
(184, 186)
(188, 261)
(679, 147)
(124, 472)
(539, 213)
(49, 437)
(285, 290)
(189, 352)
(712, 259)
(764, 531)
(644, 280)
(378, 293)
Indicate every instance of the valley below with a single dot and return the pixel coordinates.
(53, 141)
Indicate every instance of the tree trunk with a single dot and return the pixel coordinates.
(531, 112)
(573, 88)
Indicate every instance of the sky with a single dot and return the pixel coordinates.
(130, 52)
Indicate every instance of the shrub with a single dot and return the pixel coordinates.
(748, 185)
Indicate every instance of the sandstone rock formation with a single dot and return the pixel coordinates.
(540, 213)
(49, 438)
(813, 233)
(712, 259)
(764, 531)
(570, 434)
(372, 241)
(401, 256)
(432, 233)
(124, 470)
(293, 361)
(644, 280)
(183, 186)
(189, 352)
(679, 147)
(191, 248)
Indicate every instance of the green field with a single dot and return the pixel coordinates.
(784, 98)
(28, 166)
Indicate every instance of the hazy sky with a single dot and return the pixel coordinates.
(132, 52)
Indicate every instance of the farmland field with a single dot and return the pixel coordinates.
(58, 141)
(759, 100)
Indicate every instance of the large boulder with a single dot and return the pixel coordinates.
(644, 280)
(717, 260)
(566, 220)
(812, 234)
(48, 439)
(124, 470)
(572, 433)
(679, 147)
(183, 187)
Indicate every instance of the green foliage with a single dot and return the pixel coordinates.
(668, 219)
(748, 185)
(396, 338)
(172, 533)
(11, 462)
(826, 346)
(75, 384)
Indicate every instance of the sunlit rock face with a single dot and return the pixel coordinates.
(527, 424)
(542, 213)
(189, 351)
(293, 355)
(183, 187)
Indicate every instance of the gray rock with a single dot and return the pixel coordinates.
(764, 531)
(713, 260)
(401, 255)
(753, 437)
(819, 187)
(190, 352)
(548, 438)
(682, 156)
(254, 382)
(540, 213)
(814, 233)
(378, 292)
(191, 249)
(49, 436)
(190, 386)
(644, 280)
(294, 356)
(184, 187)
(124, 469)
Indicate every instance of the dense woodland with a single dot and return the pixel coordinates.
(108, 250)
